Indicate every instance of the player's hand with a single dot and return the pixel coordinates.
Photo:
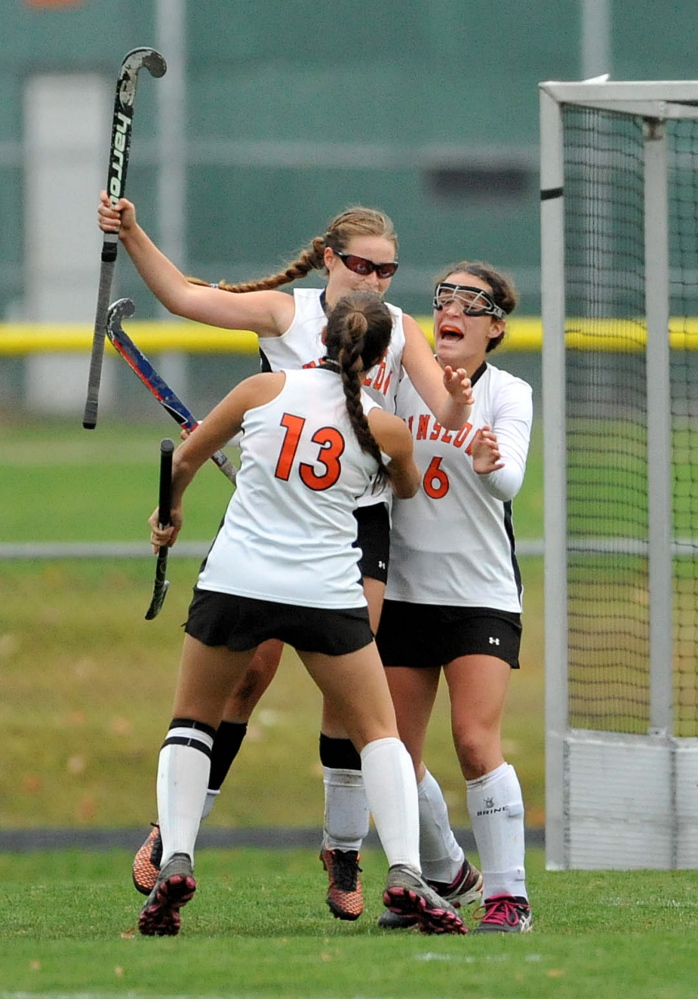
(485, 452)
(115, 218)
(458, 385)
(164, 537)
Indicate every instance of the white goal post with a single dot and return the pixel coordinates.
(619, 274)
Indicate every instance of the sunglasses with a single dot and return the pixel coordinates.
(473, 301)
(360, 265)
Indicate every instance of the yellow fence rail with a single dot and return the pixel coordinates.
(157, 336)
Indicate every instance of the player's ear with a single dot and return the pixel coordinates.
(323, 335)
(328, 256)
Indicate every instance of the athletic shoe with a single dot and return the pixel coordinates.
(408, 894)
(345, 896)
(174, 887)
(465, 889)
(146, 863)
(504, 914)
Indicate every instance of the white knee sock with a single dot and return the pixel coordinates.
(183, 771)
(442, 856)
(391, 790)
(346, 809)
(496, 813)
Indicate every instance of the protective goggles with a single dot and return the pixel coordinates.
(473, 301)
(360, 265)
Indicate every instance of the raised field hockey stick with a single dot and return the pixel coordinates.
(122, 124)
(145, 371)
(164, 511)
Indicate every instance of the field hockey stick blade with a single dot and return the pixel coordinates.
(119, 150)
(153, 381)
(161, 584)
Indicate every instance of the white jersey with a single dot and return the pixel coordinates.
(289, 528)
(453, 543)
(301, 346)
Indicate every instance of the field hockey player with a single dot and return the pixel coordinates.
(453, 601)
(283, 566)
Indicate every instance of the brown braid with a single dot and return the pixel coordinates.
(354, 221)
(504, 293)
(359, 328)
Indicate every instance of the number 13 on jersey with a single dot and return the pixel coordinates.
(330, 443)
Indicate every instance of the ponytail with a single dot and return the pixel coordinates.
(359, 328)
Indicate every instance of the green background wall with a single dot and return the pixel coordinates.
(425, 108)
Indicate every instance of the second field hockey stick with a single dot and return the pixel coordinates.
(122, 123)
(164, 513)
(145, 371)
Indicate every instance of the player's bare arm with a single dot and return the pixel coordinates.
(448, 393)
(267, 313)
(395, 440)
(222, 423)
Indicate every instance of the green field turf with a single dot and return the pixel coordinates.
(87, 691)
(59, 482)
(258, 927)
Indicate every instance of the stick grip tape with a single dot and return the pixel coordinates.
(165, 501)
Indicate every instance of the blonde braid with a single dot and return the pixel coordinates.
(309, 259)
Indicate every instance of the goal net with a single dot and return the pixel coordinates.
(619, 169)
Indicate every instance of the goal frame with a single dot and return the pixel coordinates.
(570, 753)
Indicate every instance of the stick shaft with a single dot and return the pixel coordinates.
(106, 274)
(119, 150)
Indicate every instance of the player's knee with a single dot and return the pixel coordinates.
(477, 749)
(257, 678)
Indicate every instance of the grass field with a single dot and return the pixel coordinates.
(87, 682)
(258, 927)
(59, 482)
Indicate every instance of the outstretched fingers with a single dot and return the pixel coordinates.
(458, 385)
(485, 451)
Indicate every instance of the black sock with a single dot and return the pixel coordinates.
(338, 754)
(226, 746)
